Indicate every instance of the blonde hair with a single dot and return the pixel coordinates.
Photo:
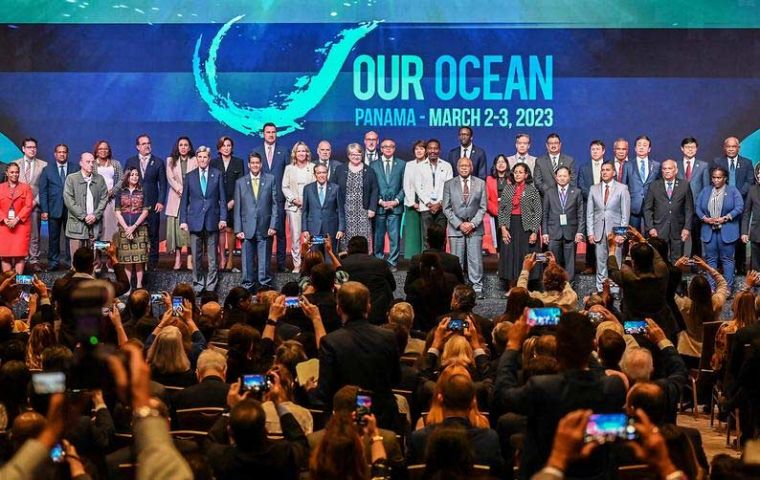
(293, 160)
(435, 415)
(402, 313)
(167, 353)
(457, 351)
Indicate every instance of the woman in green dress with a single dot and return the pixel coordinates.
(411, 230)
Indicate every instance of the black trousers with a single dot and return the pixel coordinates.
(56, 230)
(154, 224)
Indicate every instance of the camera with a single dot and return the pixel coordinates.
(45, 383)
(610, 427)
(622, 231)
(457, 325)
(156, 298)
(363, 406)
(177, 307)
(318, 240)
(635, 327)
(24, 279)
(541, 257)
(100, 245)
(292, 302)
(545, 316)
(256, 383)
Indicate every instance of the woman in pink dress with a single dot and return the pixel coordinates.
(16, 202)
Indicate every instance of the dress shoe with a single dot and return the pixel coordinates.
(588, 271)
(481, 296)
(35, 268)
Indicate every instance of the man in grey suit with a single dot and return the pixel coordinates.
(522, 145)
(255, 214)
(85, 196)
(31, 168)
(564, 220)
(389, 172)
(669, 209)
(464, 205)
(609, 205)
(547, 165)
(697, 174)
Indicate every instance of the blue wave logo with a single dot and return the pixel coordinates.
(9, 151)
(290, 108)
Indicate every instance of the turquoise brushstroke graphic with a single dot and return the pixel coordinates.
(751, 147)
(287, 111)
(9, 151)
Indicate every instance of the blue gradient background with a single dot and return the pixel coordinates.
(83, 80)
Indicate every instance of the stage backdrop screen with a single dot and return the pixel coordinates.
(74, 72)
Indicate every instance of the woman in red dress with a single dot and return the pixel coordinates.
(16, 202)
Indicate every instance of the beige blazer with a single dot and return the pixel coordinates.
(174, 177)
(34, 177)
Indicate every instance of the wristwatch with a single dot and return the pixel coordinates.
(271, 322)
(377, 438)
(144, 412)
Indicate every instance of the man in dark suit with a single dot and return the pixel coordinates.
(322, 211)
(545, 399)
(642, 173)
(457, 395)
(389, 172)
(274, 159)
(588, 176)
(203, 213)
(547, 165)
(153, 180)
(52, 181)
(742, 176)
(436, 239)
(751, 224)
(669, 209)
(211, 390)
(697, 174)
(374, 274)
(324, 154)
(360, 354)
(564, 220)
(250, 450)
(468, 149)
(255, 212)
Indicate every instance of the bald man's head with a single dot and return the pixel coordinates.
(213, 311)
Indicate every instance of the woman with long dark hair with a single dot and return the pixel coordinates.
(698, 307)
(519, 220)
(495, 183)
(431, 293)
(131, 212)
(178, 164)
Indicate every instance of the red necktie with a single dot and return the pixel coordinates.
(688, 170)
(620, 172)
(606, 193)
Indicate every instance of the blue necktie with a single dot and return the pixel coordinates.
(203, 183)
(732, 172)
(643, 170)
(670, 189)
(563, 198)
(321, 195)
(63, 174)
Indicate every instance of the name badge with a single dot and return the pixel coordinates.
(563, 219)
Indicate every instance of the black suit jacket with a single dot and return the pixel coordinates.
(743, 336)
(280, 460)
(154, 184)
(545, 399)
(211, 392)
(483, 441)
(752, 209)
(365, 355)
(669, 215)
(543, 174)
(477, 157)
(449, 263)
(229, 176)
(375, 274)
(552, 209)
(369, 186)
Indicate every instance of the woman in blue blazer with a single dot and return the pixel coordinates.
(719, 206)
